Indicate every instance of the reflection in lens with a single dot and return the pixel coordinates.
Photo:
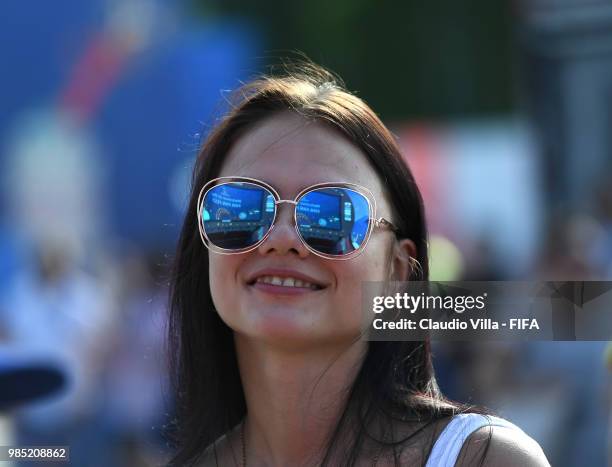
(333, 221)
(237, 215)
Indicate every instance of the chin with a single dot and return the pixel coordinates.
(283, 327)
(291, 336)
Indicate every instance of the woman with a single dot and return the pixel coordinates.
(271, 366)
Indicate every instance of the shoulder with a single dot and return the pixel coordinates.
(505, 445)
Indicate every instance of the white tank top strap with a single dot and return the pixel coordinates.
(448, 445)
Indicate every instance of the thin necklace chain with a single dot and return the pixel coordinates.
(243, 444)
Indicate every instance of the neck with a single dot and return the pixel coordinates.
(294, 400)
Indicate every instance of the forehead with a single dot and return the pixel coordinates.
(291, 153)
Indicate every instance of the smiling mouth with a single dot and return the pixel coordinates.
(287, 283)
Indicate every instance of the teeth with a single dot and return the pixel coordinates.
(277, 281)
(286, 282)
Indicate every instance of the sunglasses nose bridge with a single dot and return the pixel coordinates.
(289, 212)
(281, 201)
(283, 235)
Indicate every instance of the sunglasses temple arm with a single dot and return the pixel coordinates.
(382, 222)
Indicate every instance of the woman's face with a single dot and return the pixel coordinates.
(289, 153)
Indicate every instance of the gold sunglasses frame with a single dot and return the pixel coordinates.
(373, 221)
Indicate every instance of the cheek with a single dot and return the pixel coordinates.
(222, 272)
(369, 266)
(372, 263)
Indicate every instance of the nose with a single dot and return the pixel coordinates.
(283, 238)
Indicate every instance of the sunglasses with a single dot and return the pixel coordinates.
(333, 220)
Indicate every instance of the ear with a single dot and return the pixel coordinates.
(404, 254)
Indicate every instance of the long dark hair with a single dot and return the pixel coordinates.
(396, 382)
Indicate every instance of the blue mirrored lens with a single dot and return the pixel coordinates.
(333, 221)
(237, 215)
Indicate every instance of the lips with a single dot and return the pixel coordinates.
(285, 278)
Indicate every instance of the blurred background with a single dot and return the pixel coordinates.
(504, 113)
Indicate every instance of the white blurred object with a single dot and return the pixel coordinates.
(53, 177)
